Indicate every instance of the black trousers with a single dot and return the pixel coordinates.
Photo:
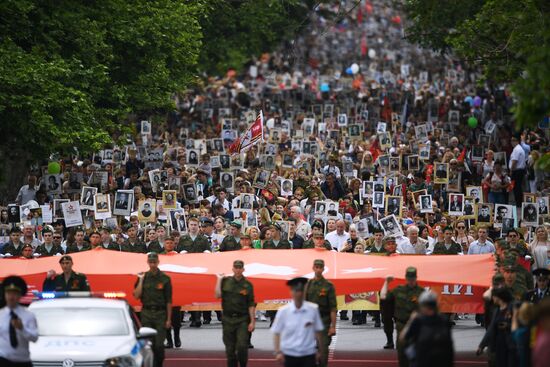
(307, 361)
(518, 176)
(7, 363)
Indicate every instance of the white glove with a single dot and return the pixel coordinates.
(183, 252)
(36, 255)
(206, 252)
(58, 254)
(8, 255)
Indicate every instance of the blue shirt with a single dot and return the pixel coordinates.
(477, 248)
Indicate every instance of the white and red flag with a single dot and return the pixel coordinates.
(253, 135)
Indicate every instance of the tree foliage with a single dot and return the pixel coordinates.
(235, 31)
(508, 39)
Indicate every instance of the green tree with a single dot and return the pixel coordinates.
(236, 31)
(71, 72)
(508, 39)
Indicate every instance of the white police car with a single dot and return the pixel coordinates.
(89, 332)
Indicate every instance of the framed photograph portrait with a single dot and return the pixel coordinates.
(87, 197)
(124, 202)
(456, 204)
(484, 214)
(391, 227)
(425, 202)
(169, 199)
(394, 205)
(441, 173)
(530, 214)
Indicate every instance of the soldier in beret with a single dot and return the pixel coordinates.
(68, 280)
(231, 242)
(154, 289)
(17, 325)
(276, 243)
(237, 295)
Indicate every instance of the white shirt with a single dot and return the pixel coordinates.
(518, 155)
(297, 328)
(28, 333)
(337, 241)
(404, 245)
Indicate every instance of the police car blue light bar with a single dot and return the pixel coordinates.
(52, 295)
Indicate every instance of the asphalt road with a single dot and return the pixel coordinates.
(354, 346)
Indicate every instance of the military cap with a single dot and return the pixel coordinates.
(541, 272)
(65, 258)
(317, 224)
(410, 273)
(245, 236)
(238, 264)
(297, 284)
(235, 224)
(205, 221)
(14, 283)
(318, 235)
(152, 256)
(319, 262)
(47, 229)
(389, 239)
(276, 225)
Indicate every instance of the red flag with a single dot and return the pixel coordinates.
(462, 156)
(374, 150)
(254, 134)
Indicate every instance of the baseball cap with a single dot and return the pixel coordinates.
(319, 262)
(410, 273)
(238, 263)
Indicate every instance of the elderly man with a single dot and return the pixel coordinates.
(339, 237)
(302, 227)
(482, 245)
(412, 243)
(28, 236)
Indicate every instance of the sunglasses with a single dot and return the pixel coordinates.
(461, 227)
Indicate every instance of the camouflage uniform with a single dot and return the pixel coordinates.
(77, 283)
(136, 247)
(237, 298)
(230, 243)
(154, 246)
(405, 300)
(43, 251)
(156, 295)
(283, 245)
(322, 292)
(73, 248)
(186, 243)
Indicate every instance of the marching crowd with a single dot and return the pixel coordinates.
(368, 145)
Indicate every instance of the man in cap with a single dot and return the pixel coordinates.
(68, 280)
(297, 329)
(238, 307)
(276, 242)
(317, 229)
(154, 289)
(404, 299)
(429, 333)
(321, 291)
(516, 278)
(48, 247)
(14, 245)
(542, 290)
(207, 229)
(17, 326)
(231, 242)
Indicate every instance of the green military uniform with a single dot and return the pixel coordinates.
(282, 245)
(440, 249)
(73, 248)
(156, 295)
(237, 297)
(199, 244)
(405, 301)
(43, 251)
(77, 282)
(373, 250)
(322, 292)
(154, 246)
(10, 248)
(230, 243)
(311, 244)
(137, 247)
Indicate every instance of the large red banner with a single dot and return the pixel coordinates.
(460, 280)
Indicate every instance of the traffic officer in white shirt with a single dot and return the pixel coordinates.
(297, 329)
(17, 326)
(517, 169)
